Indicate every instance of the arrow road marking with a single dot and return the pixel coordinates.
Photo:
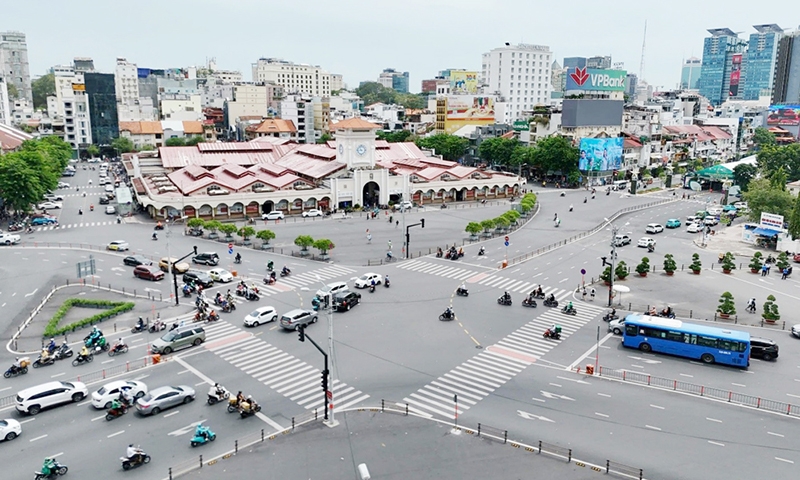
(530, 416)
(29, 294)
(185, 430)
(556, 396)
(117, 269)
(147, 289)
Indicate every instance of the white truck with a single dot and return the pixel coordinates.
(9, 238)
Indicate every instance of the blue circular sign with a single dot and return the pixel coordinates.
(506, 244)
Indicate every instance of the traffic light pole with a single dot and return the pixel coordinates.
(302, 331)
(408, 236)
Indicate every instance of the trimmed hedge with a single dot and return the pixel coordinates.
(111, 309)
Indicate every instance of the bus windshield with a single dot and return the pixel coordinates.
(674, 337)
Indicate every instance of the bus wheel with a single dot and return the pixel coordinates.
(646, 348)
(707, 358)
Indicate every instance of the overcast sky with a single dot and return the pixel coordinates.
(359, 38)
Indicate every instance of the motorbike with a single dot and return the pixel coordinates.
(159, 226)
(439, 254)
(285, 273)
(43, 362)
(462, 292)
(58, 470)
(447, 315)
(139, 327)
(212, 317)
(529, 303)
(504, 301)
(118, 349)
(481, 252)
(538, 295)
(228, 307)
(245, 410)
(141, 459)
(113, 413)
(444, 205)
(608, 317)
(233, 405)
(663, 314)
(237, 260)
(202, 436)
(80, 360)
(372, 289)
(214, 397)
(62, 352)
(551, 334)
(157, 326)
(386, 283)
(569, 311)
(550, 303)
(14, 370)
(269, 266)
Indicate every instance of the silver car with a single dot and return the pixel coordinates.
(162, 398)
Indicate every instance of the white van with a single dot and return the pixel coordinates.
(332, 289)
(620, 185)
(32, 400)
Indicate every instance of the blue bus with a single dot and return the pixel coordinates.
(674, 337)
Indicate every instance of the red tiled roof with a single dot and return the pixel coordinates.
(354, 123)
(631, 143)
(312, 167)
(11, 138)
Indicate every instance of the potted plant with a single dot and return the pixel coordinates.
(606, 276)
(643, 267)
(696, 265)
(502, 223)
(726, 306)
(323, 245)
(669, 264)
(487, 226)
(782, 262)
(246, 233)
(304, 241)
(212, 226)
(756, 263)
(196, 226)
(727, 263)
(473, 228)
(265, 236)
(622, 270)
(771, 314)
(228, 229)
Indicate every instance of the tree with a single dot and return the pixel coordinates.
(778, 179)
(122, 145)
(246, 233)
(763, 137)
(556, 154)
(772, 157)
(762, 197)
(41, 88)
(190, 142)
(450, 147)
(794, 220)
(498, 150)
(669, 264)
(19, 185)
(522, 156)
(265, 235)
(374, 92)
(643, 267)
(411, 100)
(473, 228)
(93, 150)
(175, 142)
(488, 225)
(304, 241)
(622, 270)
(743, 174)
(502, 222)
(228, 229)
(726, 305)
(147, 147)
(212, 226)
(395, 137)
(325, 138)
(771, 313)
(323, 245)
(196, 224)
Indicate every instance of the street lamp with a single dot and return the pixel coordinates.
(172, 264)
(614, 232)
(329, 367)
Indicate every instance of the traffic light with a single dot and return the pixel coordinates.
(604, 261)
(302, 331)
(422, 221)
(325, 380)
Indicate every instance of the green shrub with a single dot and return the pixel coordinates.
(113, 308)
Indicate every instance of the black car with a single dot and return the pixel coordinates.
(136, 260)
(198, 278)
(103, 200)
(763, 348)
(207, 258)
(346, 300)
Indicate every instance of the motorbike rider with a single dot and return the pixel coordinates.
(201, 431)
(652, 311)
(569, 308)
(49, 466)
(386, 280)
(751, 304)
(118, 345)
(270, 265)
(212, 315)
(116, 406)
(667, 311)
(84, 353)
(239, 398)
(460, 251)
(555, 329)
(17, 365)
(613, 313)
(285, 270)
(463, 287)
(551, 298)
(125, 396)
(134, 454)
(44, 356)
(140, 324)
(482, 251)
(372, 284)
(506, 297)
(219, 390)
(539, 291)
(238, 258)
(51, 347)
(570, 207)
(155, 236)
(448, 312)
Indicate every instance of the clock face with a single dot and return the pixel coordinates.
(341, 148)
(361, 150)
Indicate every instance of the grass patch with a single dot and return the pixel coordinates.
(110, 309)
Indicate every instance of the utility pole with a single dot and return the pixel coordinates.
(614, 230)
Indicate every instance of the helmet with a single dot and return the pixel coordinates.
(216, 384)
(249, 397)
(131, 445)
(52, 339)
(94, 329)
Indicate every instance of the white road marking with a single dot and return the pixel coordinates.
(713, 420)
(107, 361)
(86, 402)
(783, 460)
(687, 375)
(791, 395)
(115, 434)
(652, 427)
(604, 395)
(34, 291)
(37, 438)
(172, 413)
(657, 406)
(99, 418)
(738, 384)
(601, 414)
(34, 418)
(716, 443)
(775, 434)
(58, 374)
(555, 385)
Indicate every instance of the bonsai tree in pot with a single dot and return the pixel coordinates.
(304, 241)
(771, 314)
(726, 306)
(756, 263)
(696, 265)
(622, 270)
(606, 276)
(228, 229)
(212, 226)
(643, 267)
(669, 264)
(246, 233)
(473, 228)
(487, 226)
(196, 226)
(782, 262)
(323, 245)
(727, 263)
(265, 236)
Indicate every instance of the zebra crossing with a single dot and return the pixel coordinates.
(278, 370)
(484, 373)
(44, 228)
(438, 269)
(313, 277)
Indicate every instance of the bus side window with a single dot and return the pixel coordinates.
(631, 330)
(690, 339)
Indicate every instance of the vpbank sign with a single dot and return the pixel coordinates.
(594, 79)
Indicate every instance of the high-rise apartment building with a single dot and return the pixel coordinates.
(786, 85)
(599, 62)
(14, 63)
(690, 73)
(759, 61)
(520, 75)
(126, 81)
(391, 78)
(83, 64)
(294, 78)
(101, 92)
(722, 62)
(337, 82)
(571, 63)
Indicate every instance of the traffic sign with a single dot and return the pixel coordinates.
(329, 394)
(230, 248)
(583, 271)
(506, 238)
(506, 243)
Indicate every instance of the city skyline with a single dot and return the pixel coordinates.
(326, 35)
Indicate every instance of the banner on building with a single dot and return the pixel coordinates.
(463, 83)
(600, 154)
(784, 115)
(596, 80)
(736, 72)
(770, 220)
(469, 107)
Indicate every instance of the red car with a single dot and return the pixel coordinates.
(796, 257)
(148, 272)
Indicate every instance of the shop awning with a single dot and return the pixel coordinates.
(766, 232)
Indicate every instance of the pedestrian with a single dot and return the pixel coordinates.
(785, 273)
(592, 293)
(768, 267)
(764, 270)
(369, 238)
(396, 223)
(583, 294)
(390, 245)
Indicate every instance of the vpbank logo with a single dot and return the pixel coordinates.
(579, 76)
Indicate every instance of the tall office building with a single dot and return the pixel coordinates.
(520, 74)
(293, 77)
(786, 85)
(391, 78)
(600, 62)
(690, 73)
(759, 61)
(14, 63)
(722, 63)
(571, 63)
(126, 81)
(102, 97)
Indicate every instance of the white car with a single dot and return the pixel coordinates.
(365, 280)
(94, 160)
(260, 316)
(693, 219)
(273, 215)
(111, 209)
(646, 242)
(220, 275)
(63, 185)
(51, 197)
(49, 205)
(710, 221)
(654, 228)
(102, 398)
(109, 188)
(313, 213)
(10, 429)
(740, 205)
(403, 205)
(694, 228)
(9, 238)
(616, 326)
(32, 400)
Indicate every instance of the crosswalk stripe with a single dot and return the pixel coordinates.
(301, 374)
(487, 379)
